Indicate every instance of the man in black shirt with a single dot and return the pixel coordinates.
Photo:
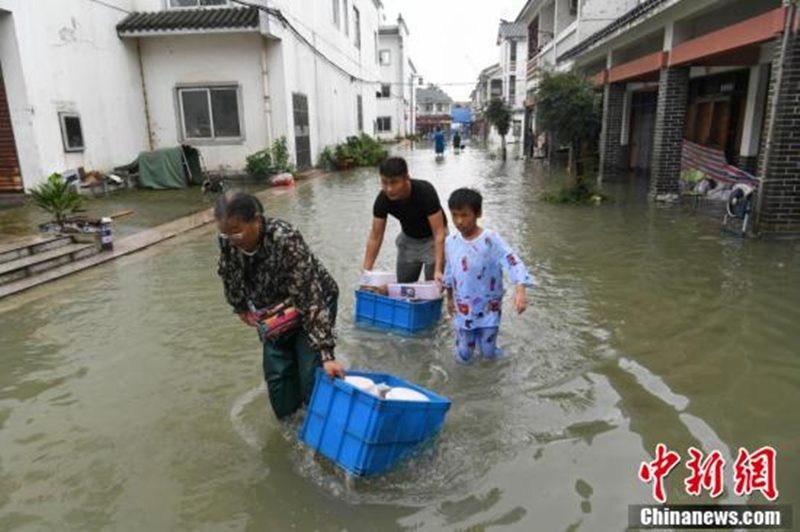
(416, 205)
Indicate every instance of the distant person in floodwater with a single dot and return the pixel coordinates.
(438, 142)
(456, 142)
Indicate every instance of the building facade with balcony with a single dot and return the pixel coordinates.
(489, 86)
(553, 28)
(724, 74)
(92, 84)
(512, 40)
(396, 112)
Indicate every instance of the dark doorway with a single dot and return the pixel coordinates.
(10, 178)
(642, 130)
(302, 134)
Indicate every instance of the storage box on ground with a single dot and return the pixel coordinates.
(364, 434)
(400, 315)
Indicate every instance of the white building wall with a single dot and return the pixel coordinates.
(393, 75)
(331, 92)
(597, 14)
(202, 60)
(66, 57)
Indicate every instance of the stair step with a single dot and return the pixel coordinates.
(31, 265)
(31, 246)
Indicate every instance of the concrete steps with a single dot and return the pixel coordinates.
(35, 256)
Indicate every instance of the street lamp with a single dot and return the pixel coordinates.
(413, 102)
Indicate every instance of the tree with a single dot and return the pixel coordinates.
(568, 107)
(499, 115)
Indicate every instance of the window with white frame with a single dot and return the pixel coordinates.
(385, 57)
(386, 90)
(210, 113)
(178, 4)
(384, 124)
(336, 13)
(71, 131)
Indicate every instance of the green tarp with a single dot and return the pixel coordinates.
(169, 168)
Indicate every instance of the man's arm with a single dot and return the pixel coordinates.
(437, 227)
(374, 242)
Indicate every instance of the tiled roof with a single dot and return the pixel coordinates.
(432, 95)
(512, 30)
(190, 19)
(489, 71)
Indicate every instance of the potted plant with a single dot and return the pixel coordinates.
(344, 156)
(58, 198)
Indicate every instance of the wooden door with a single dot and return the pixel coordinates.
(10, 178)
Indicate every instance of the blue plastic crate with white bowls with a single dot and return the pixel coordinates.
(349, 422)
(401, 315)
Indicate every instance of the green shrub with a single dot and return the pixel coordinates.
(361, 150)
(270, 161)
(577, 193)
(57, 197)
(327, 160)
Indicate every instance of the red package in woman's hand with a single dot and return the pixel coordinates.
(277, 320)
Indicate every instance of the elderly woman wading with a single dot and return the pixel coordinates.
(264, 263)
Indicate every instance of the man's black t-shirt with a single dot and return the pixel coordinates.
(413, 211)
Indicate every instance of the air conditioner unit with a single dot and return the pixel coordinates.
(573, 7)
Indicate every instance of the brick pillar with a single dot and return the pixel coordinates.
(611, 133)
(780, 189)
(673, 91)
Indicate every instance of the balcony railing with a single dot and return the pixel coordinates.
(532, 69)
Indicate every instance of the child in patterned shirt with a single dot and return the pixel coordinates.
(473, 277)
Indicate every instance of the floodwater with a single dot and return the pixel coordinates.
(131, 397)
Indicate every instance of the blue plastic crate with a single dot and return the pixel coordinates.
(400, 315)
(366, 435)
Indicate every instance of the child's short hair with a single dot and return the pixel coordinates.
(392, 167)
(466, 197)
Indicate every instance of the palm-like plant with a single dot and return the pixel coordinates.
(57, 197)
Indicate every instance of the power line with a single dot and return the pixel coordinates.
(112, 6)
(286, 22)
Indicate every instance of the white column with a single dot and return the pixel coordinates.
(754, 110)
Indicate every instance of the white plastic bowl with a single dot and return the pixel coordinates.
(405, 394)
(376, 278)
(362, 383)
